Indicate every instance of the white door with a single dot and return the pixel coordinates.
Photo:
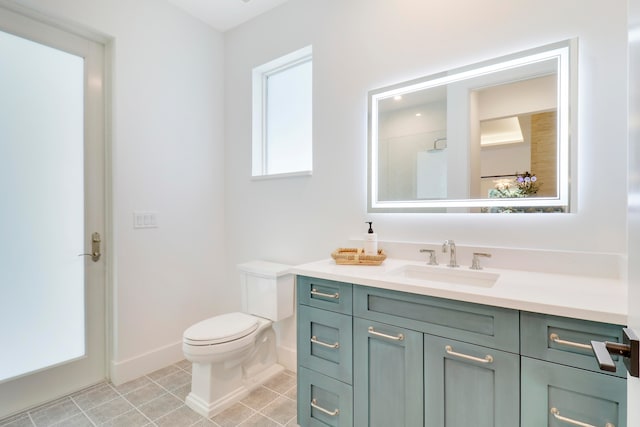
(52, 298)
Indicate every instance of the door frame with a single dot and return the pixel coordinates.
(633, 204)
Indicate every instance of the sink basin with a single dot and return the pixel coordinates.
(456, 276)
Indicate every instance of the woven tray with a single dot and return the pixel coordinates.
(356, 256)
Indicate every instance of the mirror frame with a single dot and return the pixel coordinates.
(565, 53)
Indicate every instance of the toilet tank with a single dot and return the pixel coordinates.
(267, 289)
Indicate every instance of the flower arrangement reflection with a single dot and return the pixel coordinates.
(523, 185)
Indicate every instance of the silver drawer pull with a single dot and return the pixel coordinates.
(398, 337)
(487, 359)
(314, 404)
(314, 339)
(556, 413)
(556, 339)
(314, 291)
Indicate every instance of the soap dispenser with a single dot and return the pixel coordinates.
(370, 241)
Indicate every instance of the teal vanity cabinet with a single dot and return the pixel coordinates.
(562, 384)
(371, 357)
(464, 359)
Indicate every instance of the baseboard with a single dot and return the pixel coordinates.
(287, 357)
(135, 367)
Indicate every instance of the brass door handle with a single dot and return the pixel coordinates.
(95, 248)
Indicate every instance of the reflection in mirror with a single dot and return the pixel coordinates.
(487, 138)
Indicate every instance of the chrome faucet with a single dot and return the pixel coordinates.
(452, 250)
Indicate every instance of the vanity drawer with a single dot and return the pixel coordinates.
(323, 401)
(488, 326)
(325, 294)
(567, 341)
(325, 342)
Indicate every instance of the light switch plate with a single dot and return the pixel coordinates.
(145, 219)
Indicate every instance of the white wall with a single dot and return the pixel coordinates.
(360, 45)
(167, 154)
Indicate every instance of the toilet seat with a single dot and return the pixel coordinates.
(220, 329)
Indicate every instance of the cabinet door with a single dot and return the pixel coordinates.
(323, 401)
(469, 385)
(558, 396)
(388, 383)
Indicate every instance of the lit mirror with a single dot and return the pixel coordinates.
(491, 137)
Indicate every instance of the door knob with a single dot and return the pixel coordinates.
(95, 248)
(629, 349)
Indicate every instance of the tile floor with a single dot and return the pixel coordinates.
(157, 400)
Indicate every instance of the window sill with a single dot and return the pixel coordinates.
(281, 175)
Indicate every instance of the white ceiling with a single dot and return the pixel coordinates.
(226, 14)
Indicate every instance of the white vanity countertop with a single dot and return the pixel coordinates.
(590, 298)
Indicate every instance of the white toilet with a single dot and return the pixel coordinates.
(234, 353)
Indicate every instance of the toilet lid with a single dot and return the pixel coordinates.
(220, 329)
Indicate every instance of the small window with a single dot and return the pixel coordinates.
(282, 99)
